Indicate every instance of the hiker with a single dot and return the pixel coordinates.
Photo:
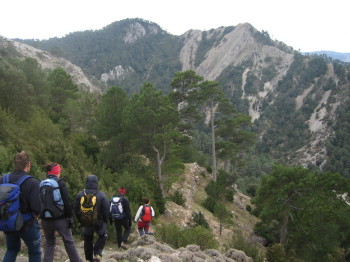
(120, 214)
(57, 214)
(29, 206)
(91, 207)
(144, 216)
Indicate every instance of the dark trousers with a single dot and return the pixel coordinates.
(60, 226)
(31, 237)
(119, 224)
(90, 248)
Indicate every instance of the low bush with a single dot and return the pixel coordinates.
(182, 237)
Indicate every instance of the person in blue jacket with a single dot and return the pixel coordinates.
(31, 207)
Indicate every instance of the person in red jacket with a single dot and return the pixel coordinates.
(144, 217)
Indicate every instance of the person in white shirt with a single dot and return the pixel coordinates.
(144, 216)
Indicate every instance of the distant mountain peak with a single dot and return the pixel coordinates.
(138, 30)
(134, 29)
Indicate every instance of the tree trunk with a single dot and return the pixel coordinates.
(160, 160)
(283, 232)
(213, 149)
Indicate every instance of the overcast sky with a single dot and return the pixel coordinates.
(306, 25)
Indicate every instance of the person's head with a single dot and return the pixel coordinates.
(22, 161)
(146, 201)
(122, 190)
(53, 169)
(91, 182)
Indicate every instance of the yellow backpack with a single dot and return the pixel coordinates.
(88, 210)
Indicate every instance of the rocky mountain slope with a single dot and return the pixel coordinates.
(48, 61)
(291, 98)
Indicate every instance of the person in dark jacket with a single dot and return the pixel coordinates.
(29, 204)
(61, 224)
(125, 221)
(93, 252)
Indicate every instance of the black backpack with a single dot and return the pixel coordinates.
(50, 196)
(116, 208)
(88, 213)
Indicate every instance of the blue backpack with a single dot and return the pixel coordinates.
(51, 200)
(11, 218)
(116, 208)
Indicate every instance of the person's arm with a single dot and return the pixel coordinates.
(153, 213)
(34, 196)
(126, 208)
(138, 214)
(105, 207)
(76, 205)
(65, 197)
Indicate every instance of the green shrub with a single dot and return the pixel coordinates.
(277, 253)
(199, 220)
(249, 246)
(209, 203)
(249, 208)
(209, 169)
(182, 237)
(178, 198)
(229, 193)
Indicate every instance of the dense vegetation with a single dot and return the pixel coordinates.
(139, 135)
(100, 51)
(138, 141)
(305, 212)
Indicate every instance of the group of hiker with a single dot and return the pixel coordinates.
(24, 200)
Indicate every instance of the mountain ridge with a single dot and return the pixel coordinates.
(276, 85)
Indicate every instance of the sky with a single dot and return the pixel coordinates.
(306, 25)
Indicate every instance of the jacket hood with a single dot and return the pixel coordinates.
(91, 182)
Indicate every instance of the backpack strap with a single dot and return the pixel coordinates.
(22, 179)
(6, 178)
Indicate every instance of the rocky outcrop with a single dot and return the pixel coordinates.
(137, 30)
(49, 61)
(148, 249)
(233, 49)
(117, 73)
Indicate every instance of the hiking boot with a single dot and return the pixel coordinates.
(97, 258)
(124, 246)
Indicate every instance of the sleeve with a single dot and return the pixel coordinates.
(76, 205)
(153, 213)
(65, 197)
(104, 207)
(34, 197)
(126, 207)
(138, 214)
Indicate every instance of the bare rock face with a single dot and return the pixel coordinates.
(49, 61)
(117, 73)
(136, 31)
(233, 49)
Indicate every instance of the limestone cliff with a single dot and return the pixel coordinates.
(49, 61)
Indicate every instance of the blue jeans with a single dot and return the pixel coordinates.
(31, 237)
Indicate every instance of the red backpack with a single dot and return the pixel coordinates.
(146, 215)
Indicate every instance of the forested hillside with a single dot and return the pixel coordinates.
(294, 100)
(230, 99)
